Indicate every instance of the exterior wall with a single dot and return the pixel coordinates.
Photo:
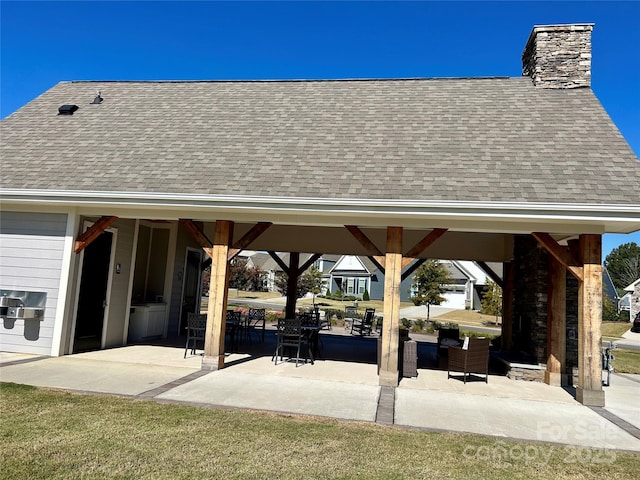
(119, 300)
(183, 241)
(31, 259)
(377, 288)
(634, 304)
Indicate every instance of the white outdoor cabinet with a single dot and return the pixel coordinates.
(147, 321)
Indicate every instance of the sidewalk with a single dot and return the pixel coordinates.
(630, 340)
(346, 390)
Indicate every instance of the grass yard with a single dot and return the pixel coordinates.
(614, 330)
(57, 435)
(468, 317)
(626, 361)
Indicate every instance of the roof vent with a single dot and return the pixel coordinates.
(98, 100)
(67, 109)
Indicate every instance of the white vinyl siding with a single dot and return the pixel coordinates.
(31, 256)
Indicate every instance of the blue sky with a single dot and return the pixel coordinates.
(43, 43)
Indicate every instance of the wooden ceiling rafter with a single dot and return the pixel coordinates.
(198, 235)
(309, 262)
(412, 268)
(278, 260)
(560, 253)
(93, 232)
(422, 245)
(373, 253)
(493, 275)
(246, 240)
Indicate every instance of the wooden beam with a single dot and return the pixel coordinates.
(556, 324)
(246, 240)
(372, 250)
(375, 261)
(509, 270)
(213, 358)
(412, 268)
(279, 261)
(292, 285)
(93, 232)
(425, 243)
(589, 390)
(198, 235)
(308, 263)
(489, 271)
(560, 253)
(389, 361)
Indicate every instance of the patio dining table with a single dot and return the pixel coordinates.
(312, 332)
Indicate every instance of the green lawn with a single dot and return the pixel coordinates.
(626, 361)
(54, 435)
(614, 330)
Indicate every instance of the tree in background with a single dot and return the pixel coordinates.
(238, 273)
(313, 278)
(492, 300)
(309, 281)
(623, 264)
(254, 281)
(428, 284)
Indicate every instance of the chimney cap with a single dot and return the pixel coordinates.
(560, 27)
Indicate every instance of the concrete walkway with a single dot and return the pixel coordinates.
(345, 390)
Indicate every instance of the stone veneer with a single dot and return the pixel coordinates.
(559, 56)
(530, 311)
(634, 302)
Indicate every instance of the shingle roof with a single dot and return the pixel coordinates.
(480, 139)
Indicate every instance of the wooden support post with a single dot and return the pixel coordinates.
(292, 285)
(589, 390)
(391, 324)
(556, 324)
(507, 305)
(217, 314)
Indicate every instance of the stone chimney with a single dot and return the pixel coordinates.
(559, 56)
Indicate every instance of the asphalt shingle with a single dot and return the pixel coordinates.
(478, 140)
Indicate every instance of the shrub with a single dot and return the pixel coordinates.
(365, 296)
(419, 324)
(405, 323)
(273, 316)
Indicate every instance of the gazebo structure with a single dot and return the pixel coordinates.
(527, 171)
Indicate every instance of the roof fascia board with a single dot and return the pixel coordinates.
(601, 218)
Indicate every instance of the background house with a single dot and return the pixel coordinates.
(630, 301)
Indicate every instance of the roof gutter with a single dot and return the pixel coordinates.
(208, 206)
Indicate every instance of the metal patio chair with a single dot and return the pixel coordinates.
(196, 327)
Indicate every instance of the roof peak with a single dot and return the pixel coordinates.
(299, 80)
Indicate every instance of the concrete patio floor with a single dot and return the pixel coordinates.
(345, 390)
